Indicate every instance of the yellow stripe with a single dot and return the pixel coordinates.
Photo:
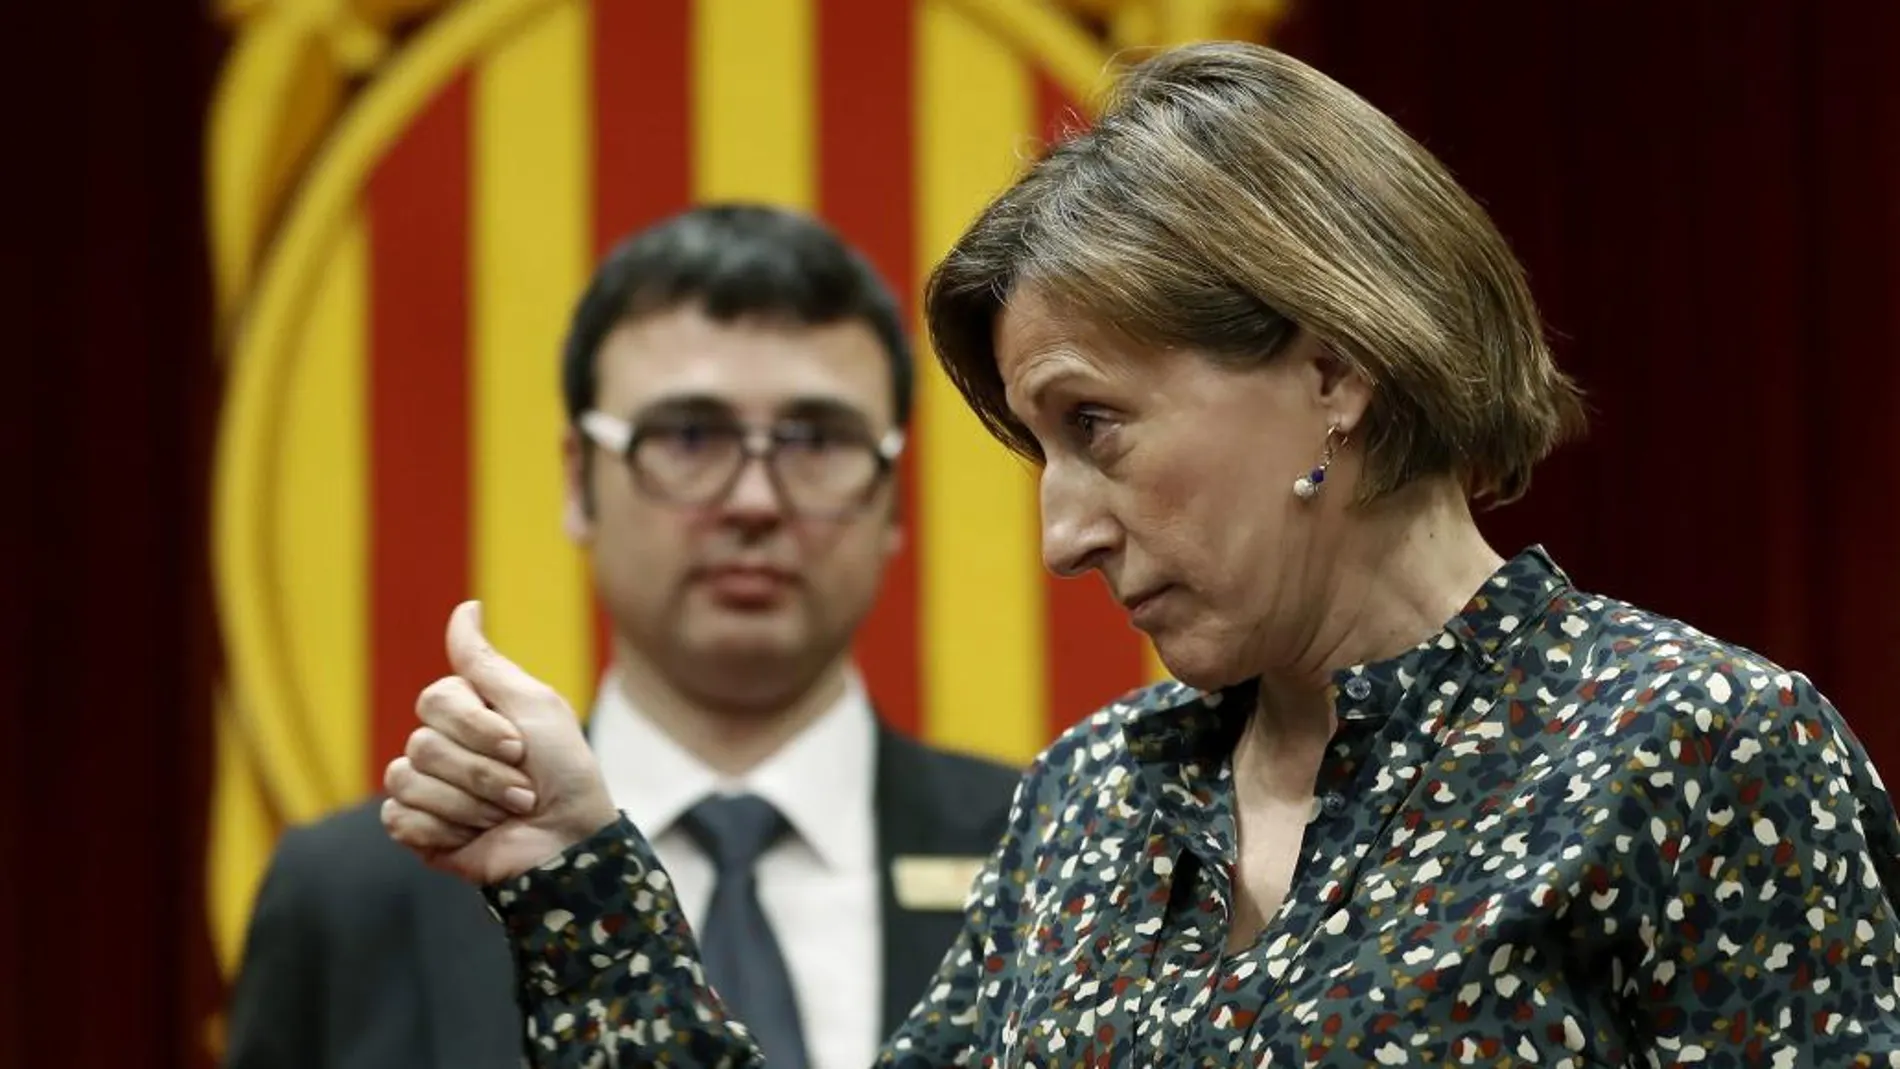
(530, 223)
(754, 87)
(269, 105)
(982, 609)
(1151, 663)
(242, 834)
(1043, 34)
(322, 515)
(264, 696)
(1183, 21)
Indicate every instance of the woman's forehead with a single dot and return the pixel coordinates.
(1032, 327)
(1037, 342)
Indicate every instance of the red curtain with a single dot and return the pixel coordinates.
(1705, 195)
(105, 417)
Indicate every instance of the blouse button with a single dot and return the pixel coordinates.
(1333, 803)
(1358, 689)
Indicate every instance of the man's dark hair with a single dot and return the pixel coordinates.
(734, 262)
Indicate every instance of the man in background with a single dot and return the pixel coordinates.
(738, 383)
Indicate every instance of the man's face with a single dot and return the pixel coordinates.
(722, 585)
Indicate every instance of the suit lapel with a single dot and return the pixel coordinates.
(468, 989)
(908, 830)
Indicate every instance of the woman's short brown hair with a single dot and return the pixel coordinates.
(1229, 197)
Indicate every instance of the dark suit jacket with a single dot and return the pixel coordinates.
(360, 957)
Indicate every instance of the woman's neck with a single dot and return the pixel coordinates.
(1405, 569)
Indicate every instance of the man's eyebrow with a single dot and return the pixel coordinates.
(812, 408)
(687, 404)
(826, 409)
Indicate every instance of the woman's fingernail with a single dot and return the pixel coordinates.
(510, 750)
(519, 799)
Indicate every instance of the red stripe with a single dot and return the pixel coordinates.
(642, 115)
(418, 204)
(1093, 654)
(1060, 115)
(865, 189)
(642, 136)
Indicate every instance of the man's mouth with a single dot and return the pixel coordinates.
(746, 585)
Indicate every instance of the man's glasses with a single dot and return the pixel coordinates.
(820, 469)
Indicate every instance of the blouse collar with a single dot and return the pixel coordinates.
(1181, 723)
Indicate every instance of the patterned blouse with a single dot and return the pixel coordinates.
(1563, 832)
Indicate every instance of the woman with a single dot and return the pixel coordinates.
(1411, 804)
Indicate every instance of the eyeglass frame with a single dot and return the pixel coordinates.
(619, 437)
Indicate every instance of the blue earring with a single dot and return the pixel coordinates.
(1306, 487)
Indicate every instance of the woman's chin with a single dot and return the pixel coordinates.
(1203, 665)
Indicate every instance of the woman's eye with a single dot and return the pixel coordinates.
(1086, 423)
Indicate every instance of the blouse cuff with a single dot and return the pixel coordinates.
(593, 906)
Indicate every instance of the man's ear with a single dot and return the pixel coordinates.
(577, 507)
(894, 523)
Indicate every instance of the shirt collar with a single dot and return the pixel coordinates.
(1509, 605)
(1179, 723)
(821, 779)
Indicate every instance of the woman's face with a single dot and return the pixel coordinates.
(1173, 477)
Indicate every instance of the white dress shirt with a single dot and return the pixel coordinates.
(818, 885)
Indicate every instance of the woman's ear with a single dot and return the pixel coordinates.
(1341, 388)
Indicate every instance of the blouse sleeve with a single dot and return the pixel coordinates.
(608, 973)
(606, 967)
(1777, 944)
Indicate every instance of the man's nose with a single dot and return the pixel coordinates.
(754, 498)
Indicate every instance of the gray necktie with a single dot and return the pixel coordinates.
(742, 957)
